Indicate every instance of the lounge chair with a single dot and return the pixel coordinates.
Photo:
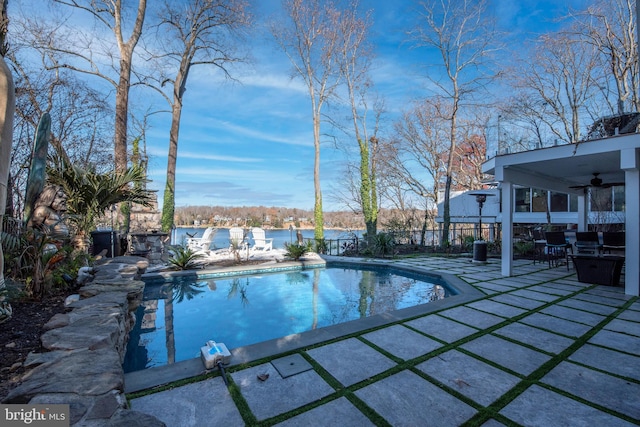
(259, 240)
(202, 244)
(237, 239)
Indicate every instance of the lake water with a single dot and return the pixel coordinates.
(221, 239)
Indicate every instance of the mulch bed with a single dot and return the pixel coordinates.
(20, 335)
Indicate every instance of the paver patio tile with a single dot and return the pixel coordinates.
(492, 287)
(339, 412)
(631, 315)
(406, 399)
(441, 328)
(539, 407)
(338, 359)
(402, 342)
(605, 390)
(518, 301)
(512, 356)
(617, 341)
(609, 292)
(574, 315)
(475, 318)
(291, 392)
(535, 337)
(549, 288)
(469, 376)
(535, 295)
(624, 326)
(600, 299)
(608, 360)
(556, 324)
(202, 403)
(604, 310)
(497, 308)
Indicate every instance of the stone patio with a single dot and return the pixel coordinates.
(537, 349)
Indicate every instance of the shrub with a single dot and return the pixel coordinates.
(321, 246)
(296, 250)
(383, 244)
(183, 258)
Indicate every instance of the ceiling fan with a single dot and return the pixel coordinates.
(596, 181)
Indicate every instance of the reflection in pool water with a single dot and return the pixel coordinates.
(178, 317)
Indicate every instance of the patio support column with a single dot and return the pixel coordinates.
(630, 163)
(507, 228)
(583, 212)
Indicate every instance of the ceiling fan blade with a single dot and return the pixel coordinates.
(612, 184)
(579, 186)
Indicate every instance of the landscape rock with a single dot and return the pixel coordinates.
(85, 373)
(84, 367)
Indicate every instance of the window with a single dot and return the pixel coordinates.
(601, 199)
(618, 198)
(559, 202)
(539, 200)
(523, 202)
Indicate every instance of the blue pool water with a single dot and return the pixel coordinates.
(177, 318)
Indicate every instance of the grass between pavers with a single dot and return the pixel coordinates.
(483, 414)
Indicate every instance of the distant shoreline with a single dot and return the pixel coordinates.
(271, 228)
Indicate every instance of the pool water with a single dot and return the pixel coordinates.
(177, 318)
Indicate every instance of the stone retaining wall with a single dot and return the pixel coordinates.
(83, 367)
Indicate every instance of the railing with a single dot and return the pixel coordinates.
(457, 237)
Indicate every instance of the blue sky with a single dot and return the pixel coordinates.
(250, 142)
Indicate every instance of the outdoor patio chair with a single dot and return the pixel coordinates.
(613, 241)
(237, 239)
(587, 242)
(259, 240)
(557, 247)
(539, 245)
(202, 244)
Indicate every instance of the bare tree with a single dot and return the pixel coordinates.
(355, 60)
(200, 32)
(417, 155)
(610, 27)
(311, 41)
(70, 48)
(560, 75)
(463, 35)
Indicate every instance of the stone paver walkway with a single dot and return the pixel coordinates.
(537, 349)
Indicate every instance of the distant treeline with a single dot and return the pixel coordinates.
(281, 217)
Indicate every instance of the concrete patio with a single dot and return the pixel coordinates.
(535, 349)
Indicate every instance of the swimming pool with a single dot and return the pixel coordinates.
(176, 318)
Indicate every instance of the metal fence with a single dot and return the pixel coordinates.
(458, 236)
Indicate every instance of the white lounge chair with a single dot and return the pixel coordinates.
(237, 239)
(259, 240)
(202, 244)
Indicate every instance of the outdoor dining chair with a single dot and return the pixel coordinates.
(588, 242)
(557, 247)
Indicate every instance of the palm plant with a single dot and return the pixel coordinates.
(184, 258)
(90, 193)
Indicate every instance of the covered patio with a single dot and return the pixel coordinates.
(559, 168)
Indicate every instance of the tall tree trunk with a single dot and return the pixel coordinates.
(368, 193)
(7, 109)
(317, 207)
(168, 203)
